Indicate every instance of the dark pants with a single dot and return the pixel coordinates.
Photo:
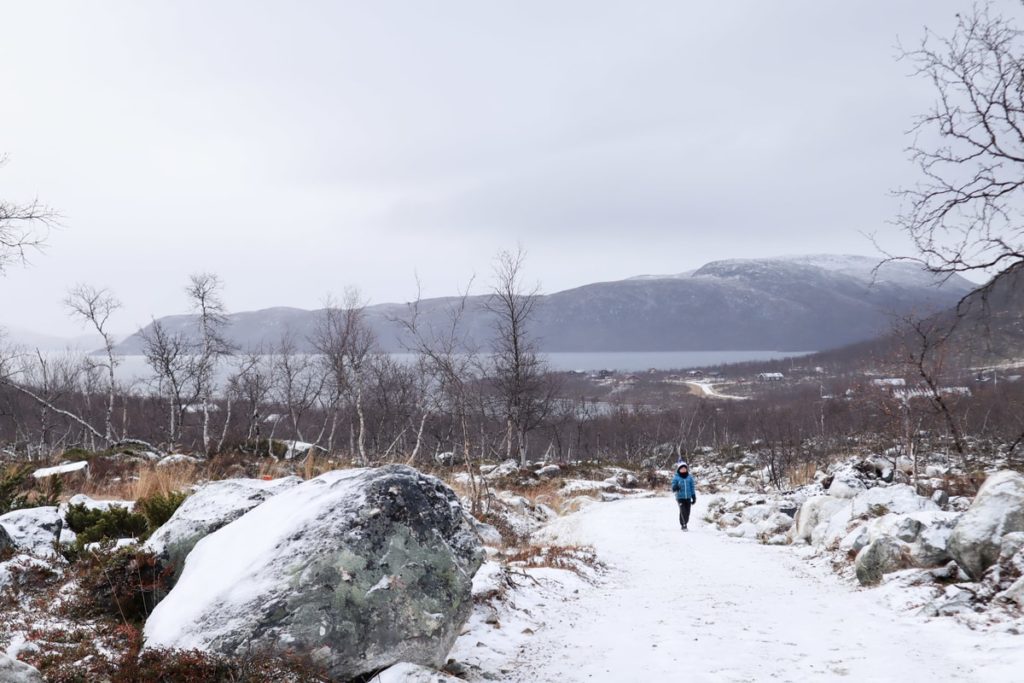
(684, 512)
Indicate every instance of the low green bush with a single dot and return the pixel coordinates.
(157, 508)
(75, 454)
(13, 493)
(95, 525)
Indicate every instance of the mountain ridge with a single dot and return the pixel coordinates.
(786, 304)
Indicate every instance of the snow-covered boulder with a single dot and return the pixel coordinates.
(13, 671)
(856, 540)
(361, 569)
(930, 547)
(93, 504)
(488, 533)
(177, 459)
(36, 529)
(209, 508)
(925, 533)
(845, 484)
(755, 514)
(449, 459)
(623, 478)
(743, 530)
(998, 509)
(812, 513)
(773, 529)
(883, 555)
(898, 499)
(548, 471)
(505, 469)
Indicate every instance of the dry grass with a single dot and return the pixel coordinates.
(543, 492)
(802, 475)
(163, 480)
(131, 480)
(575, 558)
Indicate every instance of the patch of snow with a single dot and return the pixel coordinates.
(66, 468)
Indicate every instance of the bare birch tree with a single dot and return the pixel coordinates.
(519, 372)
(965, 213)
(298, 383)
(205, 293)
(450, 364)
(170, 356)
(23, 227)
(94, 307)
(345, 342)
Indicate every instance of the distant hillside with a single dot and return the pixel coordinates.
(46, 342)
(985, 329)
(785, 304)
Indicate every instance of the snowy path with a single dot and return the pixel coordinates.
(708, 390)
(700, 606)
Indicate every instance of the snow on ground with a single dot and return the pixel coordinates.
(512, 606)
(700, 606)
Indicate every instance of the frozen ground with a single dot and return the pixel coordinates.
(699, 606)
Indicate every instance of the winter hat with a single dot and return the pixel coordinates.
(682, 463)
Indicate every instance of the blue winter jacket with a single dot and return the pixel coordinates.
(684, 487)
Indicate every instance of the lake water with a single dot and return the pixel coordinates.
(134, 367)
(632, 361)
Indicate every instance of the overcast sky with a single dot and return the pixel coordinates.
(296, 148)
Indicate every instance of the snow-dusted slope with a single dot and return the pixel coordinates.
(699, 606)
(866, 269)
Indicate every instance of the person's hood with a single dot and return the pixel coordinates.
(680, 466)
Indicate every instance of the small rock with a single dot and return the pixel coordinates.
(881, 556)
(13, 671)
(548, 471)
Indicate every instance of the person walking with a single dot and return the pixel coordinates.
(686, 492)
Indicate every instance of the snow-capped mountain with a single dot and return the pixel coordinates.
(797, 303)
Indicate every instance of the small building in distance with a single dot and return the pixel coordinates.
(770, 377)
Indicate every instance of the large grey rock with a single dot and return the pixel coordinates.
(211, 507)
(881, 556)
(930, 548)
(13, 671)
(6, 544)
(36, 530)
(361, 569)
(898, 499)
(998, 509)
